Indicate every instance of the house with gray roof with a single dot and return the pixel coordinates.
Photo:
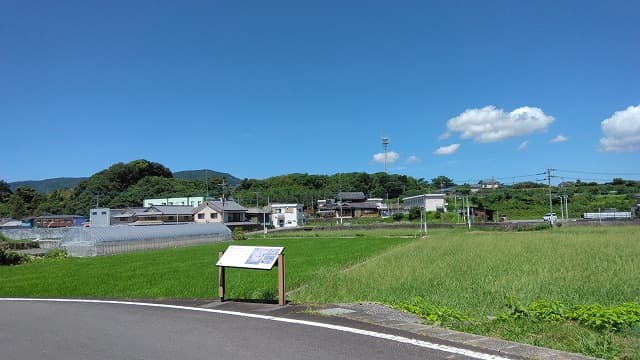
(350, 204)
(213, 211)
(153, 215)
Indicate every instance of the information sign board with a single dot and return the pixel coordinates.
(250, 257)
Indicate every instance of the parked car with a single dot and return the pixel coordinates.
(550, 217)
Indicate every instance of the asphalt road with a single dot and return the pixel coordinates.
(77, 330)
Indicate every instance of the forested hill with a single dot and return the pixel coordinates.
(120, 185)
(206, 173)
(50, 185)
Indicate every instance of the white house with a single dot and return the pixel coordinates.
(287, 215)
(428, 202)
(213, 211)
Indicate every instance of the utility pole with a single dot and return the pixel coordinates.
(206, 183)
(468, 213)
(549, 176)
(222, 185)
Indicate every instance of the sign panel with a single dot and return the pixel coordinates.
(250, 257)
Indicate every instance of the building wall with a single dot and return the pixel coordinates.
(428, 202)
(192, 201)
(207, 215)
(287, 215)
(100, 217)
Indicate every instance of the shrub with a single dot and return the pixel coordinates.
(414, 213)
(11, 258)
(431, 313)
(594, 316)
(238, 234)
(59, 253)
(397, 216)
(613, 318)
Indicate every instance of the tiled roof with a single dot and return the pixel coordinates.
(229, 205)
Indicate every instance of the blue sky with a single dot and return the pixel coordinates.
(467, 89)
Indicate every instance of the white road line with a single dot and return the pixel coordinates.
(401, 339)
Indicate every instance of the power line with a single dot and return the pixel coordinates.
(598, 173)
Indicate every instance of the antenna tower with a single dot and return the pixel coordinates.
(385, 144)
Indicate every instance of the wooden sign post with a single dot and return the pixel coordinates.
(252, 257)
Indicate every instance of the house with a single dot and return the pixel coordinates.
(351, 205)
(57, 221)
(7, 223)
(287, 215)
(122, 216)
(165, 214)
(193, 201)
(489, 184)
(261, 217)
(427, 202)
(213, 211)
(153, 215)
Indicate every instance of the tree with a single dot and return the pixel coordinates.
(5, 191)
(442, 182)
(414, 212)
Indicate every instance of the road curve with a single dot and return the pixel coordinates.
(91, 329)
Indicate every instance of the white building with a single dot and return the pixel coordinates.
(428, 202)
(287, 215)
(100, 217)
(193, 201)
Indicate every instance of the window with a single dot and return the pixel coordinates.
(201, 216)
(214, 215)
(94, 213)
(104, 213)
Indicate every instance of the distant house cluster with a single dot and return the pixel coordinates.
(200, 210)
(351, 205)
(205, 210)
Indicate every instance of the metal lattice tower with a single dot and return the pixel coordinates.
(385, 144)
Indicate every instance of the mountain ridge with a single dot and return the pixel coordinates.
(45, 186)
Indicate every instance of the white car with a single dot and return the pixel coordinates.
(550, 217)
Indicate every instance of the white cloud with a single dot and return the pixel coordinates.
(622, 131)
(444, 136)
(391, 157)
(413, 159)
(489, 124)
(523, 145)
(559, 138)
(447, 150)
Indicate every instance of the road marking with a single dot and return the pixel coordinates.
(401, 339)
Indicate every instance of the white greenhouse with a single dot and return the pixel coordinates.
(119, 239)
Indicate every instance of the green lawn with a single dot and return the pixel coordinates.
(470, 272)
(187, 272)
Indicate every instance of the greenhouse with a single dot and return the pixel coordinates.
(122, 238)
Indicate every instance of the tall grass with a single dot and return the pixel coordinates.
(473, 272)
